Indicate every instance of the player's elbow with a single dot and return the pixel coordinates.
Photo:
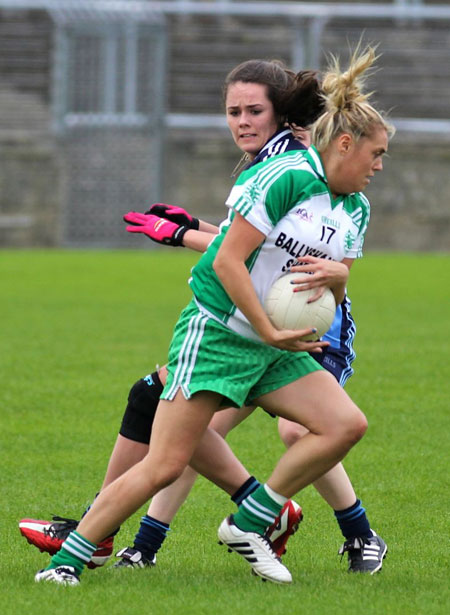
(221, 265)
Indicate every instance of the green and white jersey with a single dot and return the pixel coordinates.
(287, 198)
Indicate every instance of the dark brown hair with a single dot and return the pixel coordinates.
(296, 98)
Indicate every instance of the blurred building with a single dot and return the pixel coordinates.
(109, 106)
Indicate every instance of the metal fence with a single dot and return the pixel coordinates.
(92, 90)
(108, 98)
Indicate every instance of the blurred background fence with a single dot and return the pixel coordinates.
(108, 106)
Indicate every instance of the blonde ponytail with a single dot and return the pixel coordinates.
(346, 105)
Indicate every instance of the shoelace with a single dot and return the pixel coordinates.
(62, 525)
(268, 542)
(353, 543)
(134, 557)
(131, 553)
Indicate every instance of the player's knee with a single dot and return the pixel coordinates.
(290, 432)
(164, 474)
(353, 426)
(143, 401)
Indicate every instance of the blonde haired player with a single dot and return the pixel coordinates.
(227, 315)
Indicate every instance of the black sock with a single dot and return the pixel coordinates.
(353, 521)
(150, 536)
(250, 485)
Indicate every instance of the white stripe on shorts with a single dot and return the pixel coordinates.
(188, 355)
(190, 369)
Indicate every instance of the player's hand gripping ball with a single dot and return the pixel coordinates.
(290, 310)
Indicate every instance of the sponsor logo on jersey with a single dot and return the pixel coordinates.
(304, 215)
(297, 249)
(349, 240)
(331, 222)
(252, 193)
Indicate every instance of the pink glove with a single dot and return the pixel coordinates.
(175, 214)
(160, 230)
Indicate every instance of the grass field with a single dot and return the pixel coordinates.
(78, 328)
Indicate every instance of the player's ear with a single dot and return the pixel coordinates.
(344, 142)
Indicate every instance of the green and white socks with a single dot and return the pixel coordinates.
(259, 510)
(255, 514)
(76, 551)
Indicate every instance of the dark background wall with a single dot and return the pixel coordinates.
(409, 199)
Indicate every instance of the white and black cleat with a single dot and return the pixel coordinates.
(256, 550)
(63, 575)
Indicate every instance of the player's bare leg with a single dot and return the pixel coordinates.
(125, 454)
(178, 427)
(365, 548)
(334, 486)
(227, 473)
(335, 424)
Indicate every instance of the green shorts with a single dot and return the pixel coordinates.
(206, 356)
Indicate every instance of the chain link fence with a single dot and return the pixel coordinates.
(107, 106)
(108, 120)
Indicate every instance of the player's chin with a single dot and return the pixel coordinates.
(359, 186)
(248, 146)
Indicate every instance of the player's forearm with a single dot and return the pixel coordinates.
(197, 240)
(339, 292)
(208, 228)
(339, 284)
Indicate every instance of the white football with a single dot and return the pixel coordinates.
(289, 310)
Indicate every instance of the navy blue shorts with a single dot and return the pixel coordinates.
(336, 362)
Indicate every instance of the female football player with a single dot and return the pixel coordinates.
(278, 95)
(254, 109)
(229, 283)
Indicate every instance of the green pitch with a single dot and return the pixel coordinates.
(78, 328)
